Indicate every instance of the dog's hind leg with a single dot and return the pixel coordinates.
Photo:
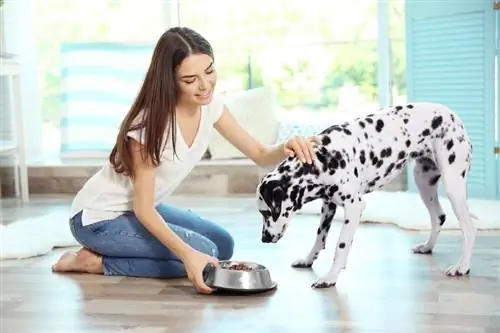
(455, 164)
(427, 176)
(327, 213)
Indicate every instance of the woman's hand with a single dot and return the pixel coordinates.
(195, 263)
(301, 147)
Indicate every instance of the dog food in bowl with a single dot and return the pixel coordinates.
(240, 267)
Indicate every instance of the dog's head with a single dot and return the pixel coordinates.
(281, 193)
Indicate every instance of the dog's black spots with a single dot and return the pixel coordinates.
(347, 132)
(356, 172)
(449, 144)
(442, 219)
(400, 165)
(285, 214)
(326, 140)
(451, 158)
(379, 164)
(330, 191)
(361, 124)
(386, 152)
(341, 245)
(369, 120)
(352, 200)
(463, 174)
(306, 169)
(405, 120)
(389, 169)
(342, 197)
(372, 155)
(294, 193)
(433, 181)
(362, 157)
(311, 187)
(408, 143)
(354, 150)
(283, 168)
(426, 132)
(401, 155)
(366, 135)
(413, 154)
(398, 108)
(325, 224)
(379, 126)
(332, 207)
(373, 158)
(409, 106)
(346, 221)
(436, 122)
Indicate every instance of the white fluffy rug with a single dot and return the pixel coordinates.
(37, 236)
(407, 211)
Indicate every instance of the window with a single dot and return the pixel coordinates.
(322, 58)
(66, 25)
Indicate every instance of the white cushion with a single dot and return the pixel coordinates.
(256, 111)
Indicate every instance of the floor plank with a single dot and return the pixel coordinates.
(385, 288)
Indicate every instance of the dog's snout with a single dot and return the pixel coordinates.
(266, 237)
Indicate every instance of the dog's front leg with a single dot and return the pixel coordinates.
(352, 213)
(327, 213)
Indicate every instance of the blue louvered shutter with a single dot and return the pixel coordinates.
(450, 60)
(497, 79)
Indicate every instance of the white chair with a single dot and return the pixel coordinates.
(14, 147)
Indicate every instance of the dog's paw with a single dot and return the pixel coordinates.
(323, 283)
(422, 249)
(457, 270)
(302, 263)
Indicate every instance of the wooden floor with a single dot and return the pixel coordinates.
(384, 289)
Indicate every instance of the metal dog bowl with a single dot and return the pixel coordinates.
(238, 276)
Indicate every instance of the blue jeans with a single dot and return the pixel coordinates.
(129, 249)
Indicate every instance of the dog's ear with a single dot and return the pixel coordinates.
(278, 195)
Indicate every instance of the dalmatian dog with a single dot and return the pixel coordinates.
(364, 155)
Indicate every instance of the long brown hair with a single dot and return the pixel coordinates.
(157, 99)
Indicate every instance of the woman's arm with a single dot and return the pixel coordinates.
(143, 206)
(143, 199)
(263, 156)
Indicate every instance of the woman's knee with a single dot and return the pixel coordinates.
(225, 244)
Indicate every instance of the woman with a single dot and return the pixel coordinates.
(119, 216)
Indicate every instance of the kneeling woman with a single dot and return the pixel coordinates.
(120, 216)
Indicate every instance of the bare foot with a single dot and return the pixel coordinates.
(83, 261)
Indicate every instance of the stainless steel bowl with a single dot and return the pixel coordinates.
(226, 278)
